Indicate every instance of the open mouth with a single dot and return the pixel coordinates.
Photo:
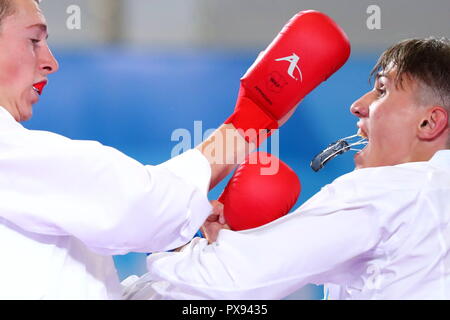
(39, 87)
(361, 133)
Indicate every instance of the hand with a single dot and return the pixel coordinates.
(308, 50)
(214, 223)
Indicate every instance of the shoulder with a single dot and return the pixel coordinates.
(389, 189)
(378, 188)
(408, 176)
(22, 137)
(56, 148)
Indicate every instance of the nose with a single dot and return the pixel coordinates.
(48, 62)
(360, 107)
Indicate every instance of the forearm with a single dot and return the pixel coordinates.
(224, 150)
(274, 260)
(103, 194)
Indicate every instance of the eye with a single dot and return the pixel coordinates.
(35, 41)
(381, 91)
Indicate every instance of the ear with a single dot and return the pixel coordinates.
(434, 122)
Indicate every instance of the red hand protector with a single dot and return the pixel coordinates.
(253, 198)
(308, 50)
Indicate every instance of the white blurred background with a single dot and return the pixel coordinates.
(236, 23)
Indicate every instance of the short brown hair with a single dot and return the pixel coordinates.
(425, 60)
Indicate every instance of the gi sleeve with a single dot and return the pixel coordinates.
(330, 235)
(57, 186)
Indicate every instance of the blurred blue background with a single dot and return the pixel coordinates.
(135, 71)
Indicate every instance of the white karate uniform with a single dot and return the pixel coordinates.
(67, 206)
(374, 233)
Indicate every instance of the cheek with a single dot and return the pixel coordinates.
(383, 125)
(8, 68)
(18, 67)
(11, 74)
(391, 126)
(377, 119)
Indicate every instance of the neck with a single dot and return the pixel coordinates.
(425, 150)
(14, 111)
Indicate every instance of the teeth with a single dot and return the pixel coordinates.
(362, 134)
(37, 90)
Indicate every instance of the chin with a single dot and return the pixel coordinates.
(359, 160)
(359, 166)
(26, 114)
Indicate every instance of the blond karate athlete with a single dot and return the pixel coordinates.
(379, 232)
(67, 206)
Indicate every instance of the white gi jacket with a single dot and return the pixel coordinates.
(67, 206)
(375, 233)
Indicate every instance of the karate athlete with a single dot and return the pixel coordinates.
(379, 232)
(67, 206)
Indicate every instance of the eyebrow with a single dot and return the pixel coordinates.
(382, 74)
(41, 26)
